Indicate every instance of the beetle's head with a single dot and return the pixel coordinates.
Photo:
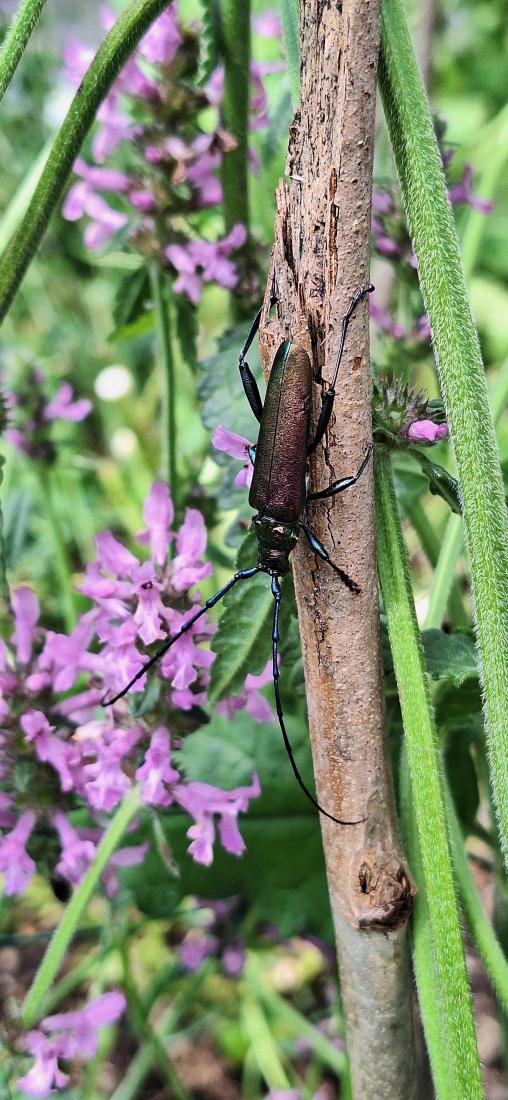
(276, 540)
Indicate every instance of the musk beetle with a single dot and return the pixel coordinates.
(278, 492)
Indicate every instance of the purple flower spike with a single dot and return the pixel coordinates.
(76, 855)
(188, 569)
(195, 948)
(202, 802)
(49, 749)
(161, 42)
(158, 514)
(81, 1027)
(45, 1076)
(425, 431)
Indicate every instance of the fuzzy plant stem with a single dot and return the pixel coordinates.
(427, 788)
(235, 109)
(462, 377)
(34, 1001)
(15, 41)
(167, 380)
(97, 81)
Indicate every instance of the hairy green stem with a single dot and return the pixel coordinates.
(462, 376)
(235, 109)
(427, 788)
(167, 380)
(61, 562)
(111, 55)
(429, 993)
(15, 41)
(481, 929)
(34, 1000)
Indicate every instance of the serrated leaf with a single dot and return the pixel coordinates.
(243, 639)
(441, 483)
(130, 297)
(211, 39)
(449, 657)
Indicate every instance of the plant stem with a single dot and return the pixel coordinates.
(263, 1045)
(444, 572)
(462, 378)
(34, 1000)
(97, 81)
(235, 109)
(427, 788)
(431, 545)
(167, 381)
(61, 562)
(15, 40)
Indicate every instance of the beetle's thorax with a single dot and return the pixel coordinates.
(276, 540)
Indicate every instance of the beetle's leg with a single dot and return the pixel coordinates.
(343, 482)
(329, 397)
(248, 381)
(242, 575)
(277, 595)
(322, 553)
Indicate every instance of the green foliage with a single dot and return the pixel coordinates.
(449, 657)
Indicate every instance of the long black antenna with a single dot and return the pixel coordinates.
(277, 595)
(242, 575)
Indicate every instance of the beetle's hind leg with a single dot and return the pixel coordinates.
(322, 553)
(343, 482)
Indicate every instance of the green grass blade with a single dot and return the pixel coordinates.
(426, 782)
(15, 41)
(462, 377)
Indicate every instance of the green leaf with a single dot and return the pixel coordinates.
(243, 640)
(290, 22)
(17, 513)
(130, 297)
(441, 483)
(462, 777)
(221, 390)
(449, 656)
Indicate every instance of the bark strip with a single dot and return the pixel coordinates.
(320, 259)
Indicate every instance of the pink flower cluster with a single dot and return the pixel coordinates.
(50, 724)
(173, 162)
(66, 1035)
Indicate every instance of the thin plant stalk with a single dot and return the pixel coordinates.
(431, 545)
(50, 965)
(112, 54)
(235, 109)
(167, 380)
(15, 41)
(289, 15)
(61, 562)
(427, 788)
(462, 377)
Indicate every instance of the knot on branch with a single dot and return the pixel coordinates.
(387, 896)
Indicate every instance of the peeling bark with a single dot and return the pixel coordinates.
(320, 259)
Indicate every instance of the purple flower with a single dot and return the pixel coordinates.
(203, 802)
(76, 855)
(157, 771)
(74, 1033)
(49, 749)
(15, 863)
(158, 514)
(210, 258)
(62, 407)
(267, 24)
(25, 606)
(250, 699)
(233, 960)
(384, 321)
(195, 948)
(425, 431)
(187, 568)
(161, 42)
(238, 447)
(462, 192)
